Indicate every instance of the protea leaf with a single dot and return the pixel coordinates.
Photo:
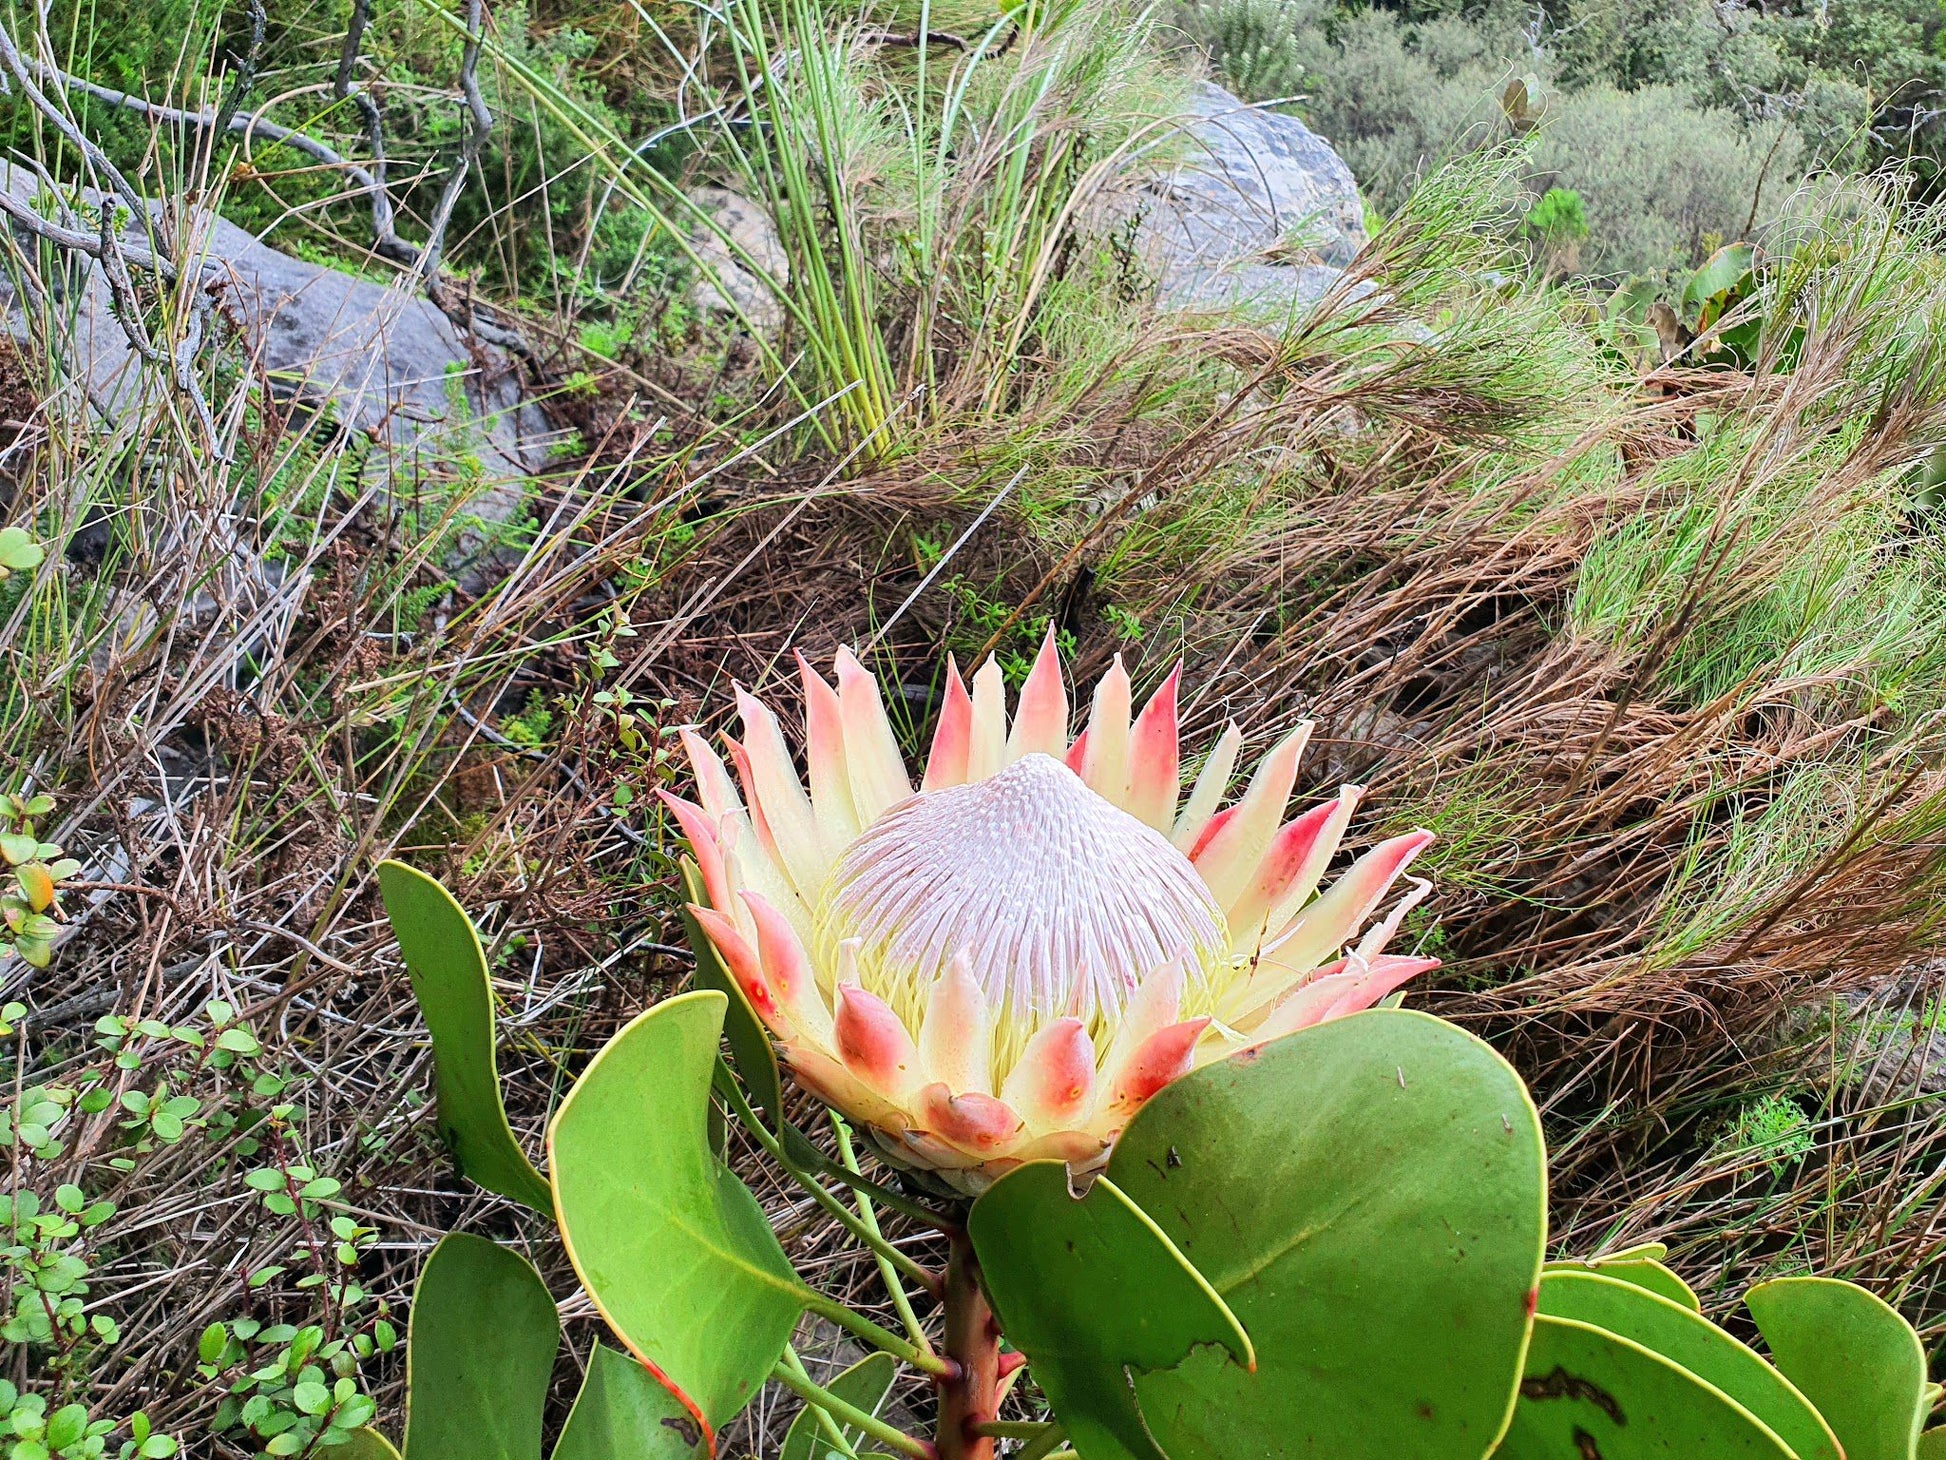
(1693, 1342)
(1367, 1197)
(672, 1248)
(1853, 1356)
(1587, 1391)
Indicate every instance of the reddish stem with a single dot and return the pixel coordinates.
(972, 1341)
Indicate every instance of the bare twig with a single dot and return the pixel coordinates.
(478, 124)
(385, 235)
(245, 78)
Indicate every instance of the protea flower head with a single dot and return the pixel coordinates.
(1006, 963)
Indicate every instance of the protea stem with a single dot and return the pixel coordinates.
(969, 1397)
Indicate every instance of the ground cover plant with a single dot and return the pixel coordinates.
(1652, 646)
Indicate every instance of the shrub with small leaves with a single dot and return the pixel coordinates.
(156, 1092)
(69, 1434)
(1771, 1131)
(46, 1278)
(293, 1391)
(1253, 44)
(30, 907)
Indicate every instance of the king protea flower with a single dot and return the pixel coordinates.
(1006, 963)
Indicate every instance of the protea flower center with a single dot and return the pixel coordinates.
(1007, 963)
(1059, 901)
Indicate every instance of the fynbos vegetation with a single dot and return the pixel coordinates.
(433, 436)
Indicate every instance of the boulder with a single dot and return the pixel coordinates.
(1257, 212)
(443, 413)
(735, 290)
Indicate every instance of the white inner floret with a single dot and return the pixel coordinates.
(1061, 901)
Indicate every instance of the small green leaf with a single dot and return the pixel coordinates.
(864, 1386)
(1145, 1307)
(1932, 1445)
(450, 980)
(66, 1425)
(19, 553)
(1853, 1356)
(479, 1354)
(672, 1248)
(1591, 1392)
(623, 1413)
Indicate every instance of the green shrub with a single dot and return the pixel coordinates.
(1662, 181)
(1254, 45)
(1559, 215)
(1660, 178)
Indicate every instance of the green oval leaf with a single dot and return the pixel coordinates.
(1591, 1392)
(1368, 1197)
(449, 979)
(1634, 1266)
(1853, 1356)
(1692, 1341)
(1092, 1290)
(1932, 1445)
(672, 1248)
(18, 553)
(864, 1385)
(479, 1354)
(66, 1425)
(750, 1048)
(624, 1413)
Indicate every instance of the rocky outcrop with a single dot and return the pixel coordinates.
(1257, 212)
(378, 359)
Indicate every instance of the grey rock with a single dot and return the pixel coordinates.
(734, 288)
(1259, 213)
(441, 412)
